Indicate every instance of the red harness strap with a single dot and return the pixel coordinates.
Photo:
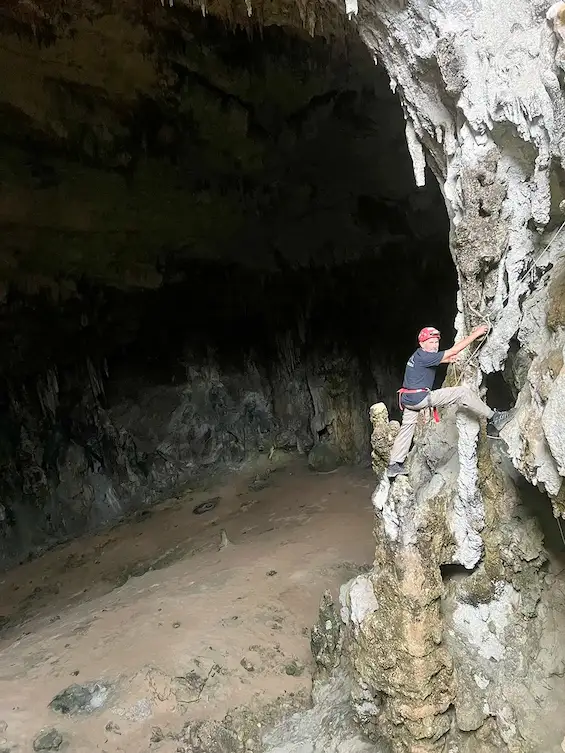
(404, 391)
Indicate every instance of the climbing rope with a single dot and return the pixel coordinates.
(485, 317)
(560, 529)
(486, 320)
(533, 262)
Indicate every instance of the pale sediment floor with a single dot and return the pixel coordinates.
(174, 619)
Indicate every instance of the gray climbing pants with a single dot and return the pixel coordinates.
(461, 396)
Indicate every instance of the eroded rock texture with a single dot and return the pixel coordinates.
(480, 90)
(447, 659)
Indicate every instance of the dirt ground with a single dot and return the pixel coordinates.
(174, 616)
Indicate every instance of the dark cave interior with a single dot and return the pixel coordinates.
(211, 248)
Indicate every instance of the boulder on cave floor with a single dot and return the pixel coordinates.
(49, 739)
(80, 699)
(324, 458)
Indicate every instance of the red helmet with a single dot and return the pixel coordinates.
(427, 333)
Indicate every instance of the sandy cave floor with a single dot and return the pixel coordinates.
(162, 613)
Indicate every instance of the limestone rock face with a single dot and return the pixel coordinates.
(329, 727)
(448, 635)
(482, 99)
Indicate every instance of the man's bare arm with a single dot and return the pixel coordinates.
(450, 355)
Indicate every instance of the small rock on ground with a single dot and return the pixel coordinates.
(157, 735)
(50, 739)
(294, 668)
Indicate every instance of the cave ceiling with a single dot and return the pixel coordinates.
(136, 137)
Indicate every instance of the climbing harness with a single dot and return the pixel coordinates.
(425, 334)
(404, 391)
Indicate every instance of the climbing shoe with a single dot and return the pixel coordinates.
(492, 431)
(497, 421)
(396, 469)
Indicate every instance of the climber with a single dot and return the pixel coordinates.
(417, 393)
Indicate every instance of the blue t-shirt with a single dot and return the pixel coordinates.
(420, 374)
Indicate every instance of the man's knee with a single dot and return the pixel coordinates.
(465, 394)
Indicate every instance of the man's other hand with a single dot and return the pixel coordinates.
(479, 331)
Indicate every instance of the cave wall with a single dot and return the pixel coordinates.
(112, 399)
(206, 233)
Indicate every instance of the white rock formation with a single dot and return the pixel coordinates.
(479, 85)
(473, 659)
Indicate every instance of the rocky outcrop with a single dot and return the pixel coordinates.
(480, 91)
(405, 673)
(382, 437)
(329, 727)
(448, 659)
